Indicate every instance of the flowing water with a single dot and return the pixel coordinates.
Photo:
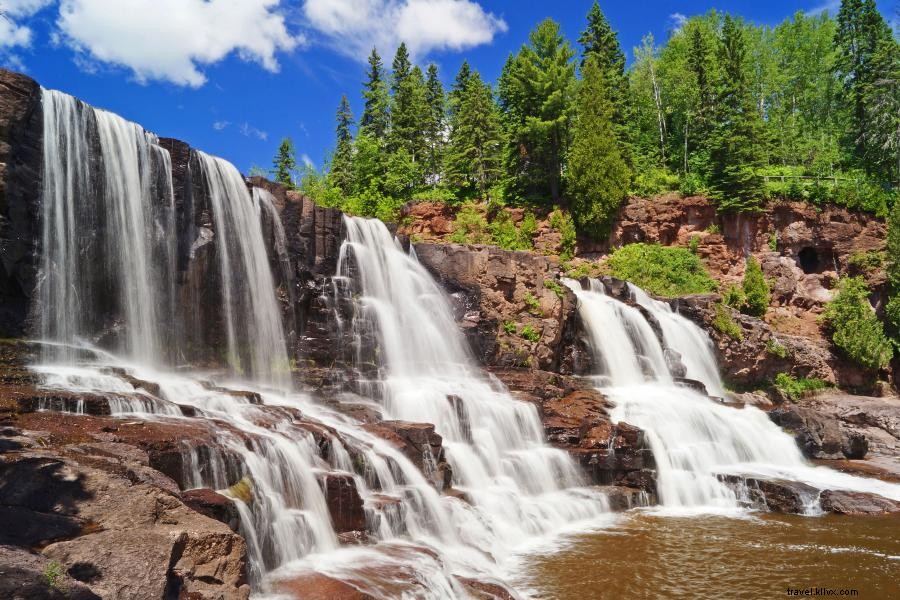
(694, 439)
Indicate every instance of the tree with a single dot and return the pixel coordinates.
(474, 155)
(435, 124)
(861, 33)
(756, 291)
(459, 87)
(536, 90)
(285, 164)
(341, 171)
(892, 310)
(375, 119)
(401, 67)
(736, 145)
(649, 114)
(882, 101)
(597, 176)
(854, 326)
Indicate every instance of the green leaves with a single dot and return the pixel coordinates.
(756, 290)
(854, 327)
(661, 270)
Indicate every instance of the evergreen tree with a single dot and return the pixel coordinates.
(474, 154)
(409, 117)
(376, 117)
(597, 176)
(757, 294)
(536, 88)
(341, 172)
(435, 124)
(736, 147)
(861, 31)
(285, 164)
(402, 67)
(882, 101)
(459, 87)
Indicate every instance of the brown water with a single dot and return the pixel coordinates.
(649, 556)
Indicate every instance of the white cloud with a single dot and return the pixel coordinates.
(306, 160)
(831, 6)
(172, 40)
(677, 21)
(248, 130)
(220, 125)
(353, 27)
(13, 34)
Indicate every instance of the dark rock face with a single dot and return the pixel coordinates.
(21, 130)
(857, 503)
(344, 502)
(817, 436)
(421, 445)
(777, 495)
(214, 505)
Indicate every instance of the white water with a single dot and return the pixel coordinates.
(693, 438)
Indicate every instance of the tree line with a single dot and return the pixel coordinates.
(809, 109)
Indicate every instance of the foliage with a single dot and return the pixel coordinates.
(340, 172)
(661, 270)
(563, 223)
(505, 234)
(756, 290)
(795, 388)
(734, 297)
(724, 323)
(530, 333)
(596, 176)
(773, 241)
(854, 327)
(868, 260)
(285, 164)
(892, 310)
(533, 304)
(554, 287)
(651, 181)
(775, 348)
(470, 226)
(694, 244)
(53, 574)
(714, 229)
(510, 327)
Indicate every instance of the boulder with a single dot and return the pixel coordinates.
(817, 435)
(776, 495)
(421, 445)
(25, 575)
(857, 503)
(344, 502)
(214, 505)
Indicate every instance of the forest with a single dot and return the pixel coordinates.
(742, 113)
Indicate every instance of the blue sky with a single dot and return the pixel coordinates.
(232, 77)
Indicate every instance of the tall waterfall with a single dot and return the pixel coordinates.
(693, 438)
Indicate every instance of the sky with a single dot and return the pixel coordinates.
(233, 77)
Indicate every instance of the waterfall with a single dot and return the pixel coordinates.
(694, 439)
(519, 486)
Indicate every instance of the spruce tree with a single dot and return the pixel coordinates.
(435, 124)
(474, 155)
(401, 68)
(756, 291)
(409, 117)
(537, 87)
(341, 172)
(736, 146)
(459, 87)
(597, 177)
(285, 164)
(376, 117)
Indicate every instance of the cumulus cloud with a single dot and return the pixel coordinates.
(353, 27)
(13, 33)
(172, 40)
(677, 21)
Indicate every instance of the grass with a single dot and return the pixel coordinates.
(796, 388)
(530, 333)
(775, 348)
(724, 323)
(554, 287)
(661, 270)
(53, 573)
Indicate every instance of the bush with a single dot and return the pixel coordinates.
(555, 288)
(661, 270)
(775, 348)
(756, 291)
(854, 327)
(867, 261)
(530, 333)
(714, 228)
(470, 226)
(563, 223)
(725, 324)
(734, 297)
(533, 304)
(651, 181)
(795, 389)
(694, 244)
(692, 185)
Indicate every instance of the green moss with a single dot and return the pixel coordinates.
(661, 270)
(533, 304)
(510, 328)
(775, 348)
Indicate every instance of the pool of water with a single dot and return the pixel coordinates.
(754, 557)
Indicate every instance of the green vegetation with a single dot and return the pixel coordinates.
(285, 164)
(53, 574)
(510, 328)
(714, 229)
(530, 333)
(854, 327)
(470, 226)
(867, 261)
(724, 323)
(795, 389)
(554, 287)
(734, 297)
(661, 270)
(756, 291)
(775, 348)
(694, 244)
(563, 223)
(773, 241)
(892, 310)
(533, 304)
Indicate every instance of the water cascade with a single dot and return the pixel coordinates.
(694, 439)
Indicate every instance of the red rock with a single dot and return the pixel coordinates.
(857, 503)
(315, 586)
(344, 502)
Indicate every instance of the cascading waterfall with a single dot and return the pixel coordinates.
(693, 438)
(519, 486)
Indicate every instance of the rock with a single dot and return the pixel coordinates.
(818, 436)
(25, 575)
(315, 586)
(344, 502)
(214, 505)
(857, 503)
(485, 590)
(622, 498)
(420, 444)
(776, 495)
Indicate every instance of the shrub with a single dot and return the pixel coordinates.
(661, 270)
(854, 327)
(756, 291)
(773, 241)
(470, 226)
(504, 232)
(867, 261)
(694, 244)
(795, 389)
(530, 333)
(53, 574)
(563, 223)
(510, 327)
(727, 325)
(713, 228)
(555, 288)
(692, 185)
(651, 181)
(533, 304)
(775, 348)
(734, 297)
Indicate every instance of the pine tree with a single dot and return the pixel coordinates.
(402, 67)
(882, 102)
(536, 89)
(861, 31)
(756, 291)
(409, 117)
(341, 172)
(375, 119)
(459, 87)
(736, 146)
(474, 154)
(435, 125)
(597, 177)
(285, 164)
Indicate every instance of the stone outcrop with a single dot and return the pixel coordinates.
(421, 445)
(857, 503)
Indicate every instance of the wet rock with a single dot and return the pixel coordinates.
(344, 502)
(817, 435)
(420, 444)
(776, 495)
(486, 590)
(214, 505)
(315, 586)
(691, 384)
(857, 503)
(622, 498)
